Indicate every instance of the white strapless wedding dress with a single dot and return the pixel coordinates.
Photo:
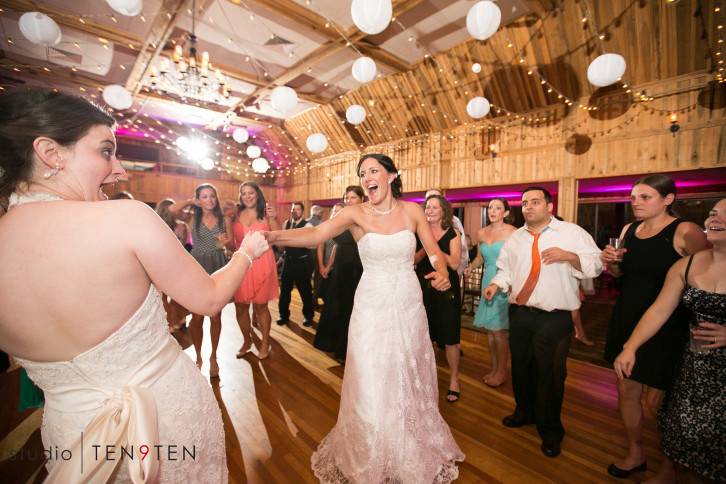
(389, 428)
(136, 390)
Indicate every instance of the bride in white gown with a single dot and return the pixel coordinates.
(80, 307)
(389, 428)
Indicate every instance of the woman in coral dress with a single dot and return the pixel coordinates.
(260, 283)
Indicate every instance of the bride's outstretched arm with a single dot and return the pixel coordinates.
(313, 236)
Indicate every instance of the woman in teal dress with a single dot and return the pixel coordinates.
(493, 315)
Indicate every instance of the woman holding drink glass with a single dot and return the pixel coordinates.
(691, 419)
(210, 234)
(649, 247)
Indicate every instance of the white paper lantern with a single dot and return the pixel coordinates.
(253, 151)
(207, 164)
(371, 16)
(260, 165)
(130, 8)
(478, 107)
(284, 99)
(317, 143)
(40, 29)
(240, 135)
(117, 97)
(606, 69)
(483, 19)
(476, 68)
(355, 114)
(364, 69)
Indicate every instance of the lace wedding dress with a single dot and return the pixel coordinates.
(389, 428)
(134, 390)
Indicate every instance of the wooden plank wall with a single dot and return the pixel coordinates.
(154, 187)
(554, 144)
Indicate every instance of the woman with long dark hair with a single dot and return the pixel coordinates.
(260, 284)
(332, 332)
(80, 302)
(651, 245)
(210, 234)
(389, 428)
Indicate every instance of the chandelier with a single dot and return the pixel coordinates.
(189, 76)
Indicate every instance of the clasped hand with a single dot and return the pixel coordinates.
(439, 281)
(254, 244)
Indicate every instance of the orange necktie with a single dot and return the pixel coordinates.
(531, 281)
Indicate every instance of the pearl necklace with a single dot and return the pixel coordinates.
(382, 212)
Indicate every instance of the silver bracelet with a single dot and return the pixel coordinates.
(244, 253)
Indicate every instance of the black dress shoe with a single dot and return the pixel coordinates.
(513, 421)
(550, 449)
(307, 323)
(282, 322)
(616, 471)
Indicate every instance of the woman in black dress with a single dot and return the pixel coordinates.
(652, 244)
(691, 418)
(332, 332)
(443, 309)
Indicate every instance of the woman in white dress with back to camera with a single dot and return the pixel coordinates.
(80, 303)
(389, 428)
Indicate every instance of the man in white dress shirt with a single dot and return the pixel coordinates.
(541, 265)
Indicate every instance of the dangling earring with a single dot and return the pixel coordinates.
(53, 172)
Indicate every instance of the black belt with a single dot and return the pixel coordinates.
(538, 310)
(289, 257)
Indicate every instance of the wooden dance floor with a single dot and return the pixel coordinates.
(276, 412)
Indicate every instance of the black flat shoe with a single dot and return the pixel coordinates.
(616, 471)
(282, 322)
(513, 422)
(307, 323)
(550, 449)
(452, 393)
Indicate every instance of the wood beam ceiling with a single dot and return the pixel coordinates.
(154, 43)
(72, 20)
(333, 46)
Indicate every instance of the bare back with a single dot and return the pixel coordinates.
(74, 272)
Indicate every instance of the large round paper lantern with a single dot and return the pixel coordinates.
(371, 16)
(117, 97)
(364, 69)
(254, 151)
(284, 99)
(130, 8)
(606, 69)
(240, 135)
(355, 114)
(478, 107)
(483, 19)
(40, 29)
(317, 143)
(260, 165)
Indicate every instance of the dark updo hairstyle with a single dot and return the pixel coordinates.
(198, 212)
(663, 184)
(261, 202)
(447, 217)
(28, 114)
(387, 163)
(508, 219)
(357, 189)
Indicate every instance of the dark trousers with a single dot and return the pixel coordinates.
(296, 272)
(539, 343)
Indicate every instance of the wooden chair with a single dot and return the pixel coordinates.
(471, 291)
